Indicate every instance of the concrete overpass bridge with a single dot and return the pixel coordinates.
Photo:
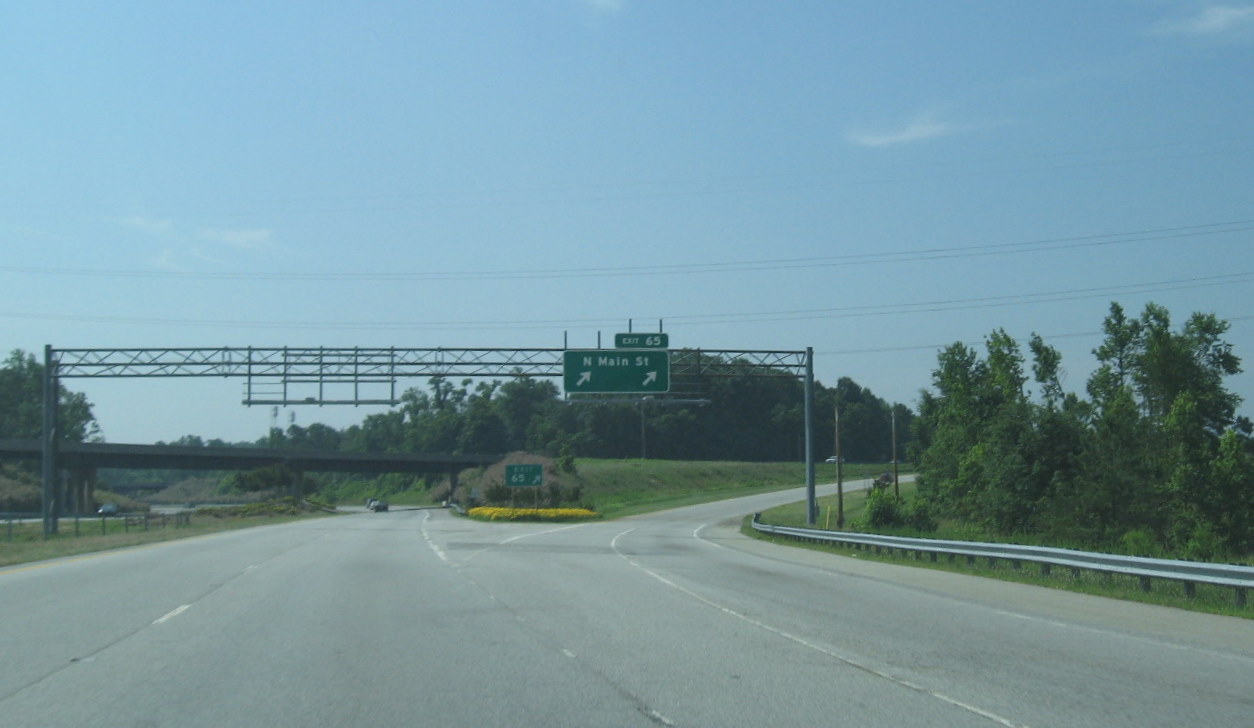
(80, 462)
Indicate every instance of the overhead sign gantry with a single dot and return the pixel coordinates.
(369, 375)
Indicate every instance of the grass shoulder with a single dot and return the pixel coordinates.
(22, 543)
(616, 488)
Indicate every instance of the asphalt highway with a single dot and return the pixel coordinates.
(418, 617)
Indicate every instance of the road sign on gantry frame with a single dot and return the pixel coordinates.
(604, 371)
(642, 341)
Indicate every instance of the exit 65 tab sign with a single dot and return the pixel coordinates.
(616, 370)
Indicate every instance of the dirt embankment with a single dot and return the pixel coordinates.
(19, 493)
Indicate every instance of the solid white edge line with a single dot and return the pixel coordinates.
(817, 648)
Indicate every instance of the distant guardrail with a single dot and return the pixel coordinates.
(146, 521)
(1189, 573)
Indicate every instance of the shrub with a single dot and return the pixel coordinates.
(1205, 544)
(488, 513)
(1139, 542)
(883, 509)
(919, 516)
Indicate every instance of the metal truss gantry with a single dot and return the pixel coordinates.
(370, 375)
(363, 375)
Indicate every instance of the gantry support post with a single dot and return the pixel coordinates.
(812, 505)
(48, 467)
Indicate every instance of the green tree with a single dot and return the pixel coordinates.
(483, 430)
(1157, 453)
(529, 409)
(21, 403)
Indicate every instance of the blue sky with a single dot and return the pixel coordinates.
(871, 179)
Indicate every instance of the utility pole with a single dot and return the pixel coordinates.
(840, 473)
(896, 487)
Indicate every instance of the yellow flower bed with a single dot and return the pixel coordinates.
(492, 513)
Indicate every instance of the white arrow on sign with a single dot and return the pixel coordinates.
(584, 378)
(650, 378)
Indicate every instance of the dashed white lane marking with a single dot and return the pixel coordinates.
(817, 648)
(173, 613)
(427, 537)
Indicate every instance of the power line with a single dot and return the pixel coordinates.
(682, 320)
(612, 191)
(909, 256)
(958, 304)
(934, 347)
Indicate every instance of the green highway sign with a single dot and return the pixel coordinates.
(524, 475)
(616, 370)
(642, 341)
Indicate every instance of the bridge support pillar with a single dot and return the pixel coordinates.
(81, 494)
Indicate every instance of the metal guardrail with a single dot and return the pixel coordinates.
(146, 521)
(1190, 573)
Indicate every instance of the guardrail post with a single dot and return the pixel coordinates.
(1145, 583)
(1045, 569)
(1241, 596)
(1190, 589)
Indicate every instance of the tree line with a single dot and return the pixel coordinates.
(739, 418)
(1153, 460)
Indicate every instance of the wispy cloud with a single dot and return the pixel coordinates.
(147, 224)
(604, 6)
(249, 239)
(1211, 20)
(167, 260)
(920, 129)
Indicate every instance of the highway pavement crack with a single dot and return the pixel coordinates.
(91, 655)
(546, 642)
